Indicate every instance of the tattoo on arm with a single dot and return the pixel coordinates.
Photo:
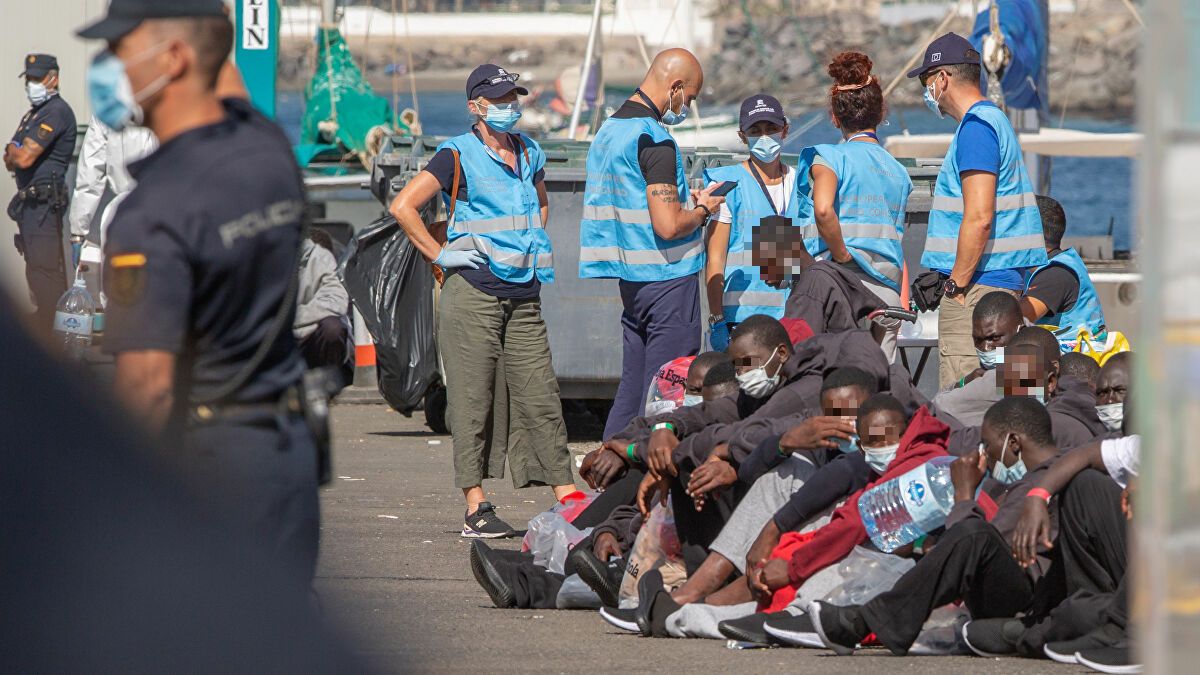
(666, 194)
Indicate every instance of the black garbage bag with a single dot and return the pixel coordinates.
(391, 286)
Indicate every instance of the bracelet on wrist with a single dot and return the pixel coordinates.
(663, 425)
(629, 452)
(707, 213)
(782, 452)
(1040, 493)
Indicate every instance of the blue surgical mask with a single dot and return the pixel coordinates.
(1112, 415)
(692, 399)
(989, 359)
(1006, 474)
(931, 102)
(36, 92)
(670, 117)
(879, 458)
(847, 445)
(113, 100)
(765, 148)
(502, 116)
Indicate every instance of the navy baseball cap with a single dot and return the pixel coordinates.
(948, 50)
(492, 81)
(761, 107)
(37, 65)
(125, 15)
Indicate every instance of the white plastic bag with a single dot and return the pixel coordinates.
(656, 547)
(550, 538)
(575, 594)
(866, 573)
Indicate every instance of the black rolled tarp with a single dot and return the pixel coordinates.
(391, 285)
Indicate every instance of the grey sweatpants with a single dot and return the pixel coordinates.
(768, 494)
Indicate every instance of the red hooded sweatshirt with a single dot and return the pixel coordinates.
(811, 552)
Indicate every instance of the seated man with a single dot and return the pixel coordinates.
(511, 578)
(881, 418)
(1081, 367)
(1060, 293)
(972, 561)
(322, 323)
(1111, 389)
(994, 322)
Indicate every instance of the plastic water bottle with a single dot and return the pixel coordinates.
(899, 511)
(73, 319)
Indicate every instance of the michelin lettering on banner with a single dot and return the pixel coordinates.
(256, 24)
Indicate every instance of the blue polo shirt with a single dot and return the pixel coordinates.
(979, 150)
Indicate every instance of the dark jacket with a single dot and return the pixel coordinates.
(1073, 414)
(830, 298)
(623, 523)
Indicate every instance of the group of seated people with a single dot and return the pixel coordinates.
(763, 479)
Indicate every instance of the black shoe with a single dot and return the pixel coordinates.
(489, 576)
(1117, 660)
(840, 628)
(599, 576)
(991, 638)
(794, 631)
(1064, 651)
(750, 628)
(654, 605)
(485, 524)
(621, 618)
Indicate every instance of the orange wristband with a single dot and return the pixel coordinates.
(1040, 493)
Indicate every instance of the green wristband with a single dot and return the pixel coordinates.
(782, 452)
(629, 451)
(664, 425)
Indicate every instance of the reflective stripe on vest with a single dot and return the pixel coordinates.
(872, 197)
(501, 216)
(745, 293)
(616, 237)
(1087, 312)
(1015, 239)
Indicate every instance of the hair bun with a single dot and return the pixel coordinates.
(850, 68)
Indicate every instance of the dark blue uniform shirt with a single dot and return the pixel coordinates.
(200, 255)
(52, 126)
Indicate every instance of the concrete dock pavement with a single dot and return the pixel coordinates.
(393, 575)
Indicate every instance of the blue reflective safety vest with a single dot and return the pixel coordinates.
(501, 217)
(872, 196)
(1086, 312)
(1015, 241)
(616, 239)
(745, 292)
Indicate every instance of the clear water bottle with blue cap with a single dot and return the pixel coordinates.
(901, 510)
(73, 319)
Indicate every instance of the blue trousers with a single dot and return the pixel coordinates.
(660, 323)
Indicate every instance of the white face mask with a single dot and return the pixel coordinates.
(755, 382)
(1112, 415)
(879, 458)
(990, 359)
(692, 399)
(36, 92)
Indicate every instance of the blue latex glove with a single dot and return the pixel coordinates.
(76, 248)
(453, 259)
(718, 336)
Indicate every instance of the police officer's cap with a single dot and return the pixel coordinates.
(125, 15)
(948, 50)
(37, 65)
(758, 108)
(491, 81)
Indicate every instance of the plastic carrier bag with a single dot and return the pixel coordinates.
(1114, 343)
(551, 536)
(668, 386)
(576, 594)
(391, 286)
(656, 546)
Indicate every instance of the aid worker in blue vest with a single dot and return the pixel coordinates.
(1060, 294)
(496, 258)
(984, 228)
(640, 227)
(766, 189)
(859, 191)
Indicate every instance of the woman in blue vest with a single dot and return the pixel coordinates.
(766, 189)
(496, 257)
(859, 191)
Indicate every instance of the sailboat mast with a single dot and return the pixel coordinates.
(585, 76)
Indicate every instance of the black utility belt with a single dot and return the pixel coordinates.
(42, 192)
(290, 403)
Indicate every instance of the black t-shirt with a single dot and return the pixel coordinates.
(199, 257)
(1056, 286)
(52, 126)
(657, 160)
(441, 165)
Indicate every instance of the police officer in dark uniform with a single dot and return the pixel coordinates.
(199, 268)
(38, 156)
